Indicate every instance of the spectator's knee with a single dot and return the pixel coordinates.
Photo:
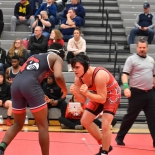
(13, 18)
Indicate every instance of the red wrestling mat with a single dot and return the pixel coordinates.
(26, 143)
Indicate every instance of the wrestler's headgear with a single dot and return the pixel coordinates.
(82, 59)
(58, 49)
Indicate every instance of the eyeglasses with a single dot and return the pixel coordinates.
(17, 42)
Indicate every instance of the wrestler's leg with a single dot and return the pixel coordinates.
(42, 124)
(106, 130)
(19, 119)
(87, 121)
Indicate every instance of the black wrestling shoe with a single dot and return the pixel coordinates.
(100, 150)
(119, 142)
(1, 151)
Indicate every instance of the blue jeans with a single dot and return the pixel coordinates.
(44, 33)
(67, 37)
(54, 21)
(1, 67)
(136, 31)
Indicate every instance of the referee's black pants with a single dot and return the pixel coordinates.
(139, 100)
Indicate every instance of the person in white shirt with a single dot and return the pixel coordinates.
(76, 45)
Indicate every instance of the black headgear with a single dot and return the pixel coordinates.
(58, 49)
(83, 59)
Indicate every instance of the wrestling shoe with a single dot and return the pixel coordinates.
(100, 150)
(1, 150)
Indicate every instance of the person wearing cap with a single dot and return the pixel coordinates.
(26, 88)
(5, 97)
(140, 68)
(144, 26)
(100, 87)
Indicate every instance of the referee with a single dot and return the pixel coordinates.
(140, 93)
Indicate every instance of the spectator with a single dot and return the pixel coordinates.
(144, 25)
(68, 25)
(141, 69)
(76, 45)
(60, 5)
(51, 11)
(54, 93)
(72, 118)
(35, 4)
(22, 14)
(12, 71)
(37, 43)
(1, 22)
(56, 36)
(2, 58)
(5, 97)
(42, 21)
(18, 49)
(79, 9)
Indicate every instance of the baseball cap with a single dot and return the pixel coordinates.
(146, 5)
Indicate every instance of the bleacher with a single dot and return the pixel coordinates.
(94, 33)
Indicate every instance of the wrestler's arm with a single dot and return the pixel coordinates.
(101, 80)
(75, 90)
(57, 64)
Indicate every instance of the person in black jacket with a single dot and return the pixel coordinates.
(1, 22)
(54, 93)
(38, 43)
(2, 58)
(5, 97)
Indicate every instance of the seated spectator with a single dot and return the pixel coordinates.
(35, 4)
(68, 25)
(42, 21)
(76, 45)
(54, 93)
(72, 118)
(144, 25)
(12, 71)
(17, 49)
(51, 11)
(60, 5)
(1, 22)
(2, 58)
(22, 14)
(56, 36)
(37, 43)
(5, 97)
(79, 9)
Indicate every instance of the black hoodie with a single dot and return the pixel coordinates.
(53, 91)
(5, 93)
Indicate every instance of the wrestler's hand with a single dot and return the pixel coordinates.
(127, 92)
(84, 89)
(73, 89)
(64, 91)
